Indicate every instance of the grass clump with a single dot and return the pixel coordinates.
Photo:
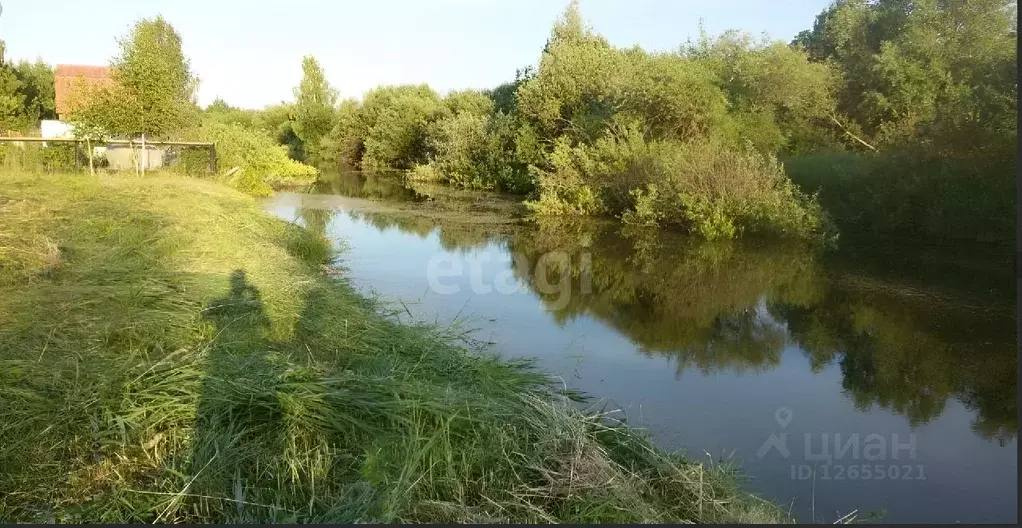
(168, 353)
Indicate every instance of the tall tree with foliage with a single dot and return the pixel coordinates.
(314, 108)
(37, 86)
(26, 93)
(154, 89)
(12, 100)
(780, 100)
(932, 73)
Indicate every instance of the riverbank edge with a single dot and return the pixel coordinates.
(173, 354)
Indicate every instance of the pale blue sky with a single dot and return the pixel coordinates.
(249, 52)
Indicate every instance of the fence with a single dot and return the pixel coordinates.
(72, 154)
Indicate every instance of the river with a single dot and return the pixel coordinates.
(877, 377)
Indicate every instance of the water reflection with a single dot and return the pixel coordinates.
(703, 305)
(366, 185)
(736, 307)
(453, 236)
(866, 340)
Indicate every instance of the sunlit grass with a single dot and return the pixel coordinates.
(169, 353)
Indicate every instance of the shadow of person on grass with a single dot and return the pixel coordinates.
(237, 408)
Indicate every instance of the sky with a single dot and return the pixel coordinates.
(249, 52)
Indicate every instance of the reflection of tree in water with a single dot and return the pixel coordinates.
(453, 236)
(695, 303)
(910, 355)
(735, 307)
(316, 219)
(702, 305)
(366, 185)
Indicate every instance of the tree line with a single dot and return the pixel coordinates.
(887, 116)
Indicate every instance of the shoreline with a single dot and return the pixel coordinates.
(174, 354)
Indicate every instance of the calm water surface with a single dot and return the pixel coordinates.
(881, 379)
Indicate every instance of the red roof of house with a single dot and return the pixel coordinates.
(69, 77)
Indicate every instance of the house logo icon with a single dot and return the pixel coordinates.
(778, 441)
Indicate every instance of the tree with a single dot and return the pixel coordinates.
(779, 99)
(314, 109)
(37, 86)
(471, 101)
(12, 100)
(88, 132)
(933, 74)
(220, 111)
(387, 130)
(154, 89)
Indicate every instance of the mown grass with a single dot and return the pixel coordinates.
(169, 353)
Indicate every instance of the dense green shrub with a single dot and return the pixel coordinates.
(582, 83)
(779, 100)
(249, 160)
(703, 186)
(387, 130)
(474, 151)
(30, 157)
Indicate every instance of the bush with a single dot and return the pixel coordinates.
(474, 151)
(702, 186)
(261, 165)
(54, 157)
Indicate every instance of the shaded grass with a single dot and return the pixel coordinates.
(908, 195)
(168, 353)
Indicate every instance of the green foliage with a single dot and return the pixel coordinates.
(34, 157)
(26, 94)
(220, 111)
(387, 130)
(658, 138)
(279, 121)
(963, 197)
(37, 86)
(474, 151)
(706, 187)
(12, 96)
(933, 86)
(504, 96)
(249, 160)
(943, 74)
(12, 101)
(779, 99)
(457, 142)
(314, 112)
(154, 89)
(344, 145)
(471, 101)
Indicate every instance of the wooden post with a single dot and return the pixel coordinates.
(88, 145)
(134, 158)
(212, 159)
(144, 157)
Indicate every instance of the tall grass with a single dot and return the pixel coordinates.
(962, 197)
(168, 353)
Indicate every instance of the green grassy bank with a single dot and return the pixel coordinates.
(170, 353)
